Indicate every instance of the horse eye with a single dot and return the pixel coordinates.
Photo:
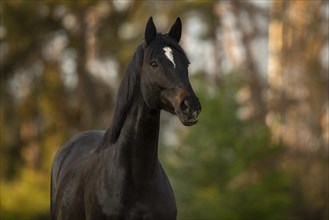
(154, 64)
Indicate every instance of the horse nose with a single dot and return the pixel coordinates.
(190, 107)
(185, 106)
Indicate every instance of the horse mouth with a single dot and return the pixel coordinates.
(188, 120)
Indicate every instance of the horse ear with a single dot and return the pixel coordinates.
(150, 31)
(176, 30)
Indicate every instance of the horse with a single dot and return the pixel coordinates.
(116, 174)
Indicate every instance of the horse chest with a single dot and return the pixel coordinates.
(152, 204)
(144, 201)
(148, 210)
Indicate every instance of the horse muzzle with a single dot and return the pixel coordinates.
(188, 110)
(185, 105)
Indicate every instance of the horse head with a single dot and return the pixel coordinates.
(164, 77)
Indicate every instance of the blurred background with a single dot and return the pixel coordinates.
(260, 68)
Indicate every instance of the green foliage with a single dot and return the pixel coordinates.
(226, 168)
(25, 198)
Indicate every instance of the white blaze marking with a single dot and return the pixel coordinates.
(169, 55)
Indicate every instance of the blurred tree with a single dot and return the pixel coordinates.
(60, 66)
(298, 97)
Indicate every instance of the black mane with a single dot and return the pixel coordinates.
(125, 95)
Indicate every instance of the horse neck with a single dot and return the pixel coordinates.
(136, 149)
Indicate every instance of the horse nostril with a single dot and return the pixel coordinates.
(184, 106)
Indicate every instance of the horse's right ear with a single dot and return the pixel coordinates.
(150, 31)
(176, 30)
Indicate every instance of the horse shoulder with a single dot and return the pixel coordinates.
(71, 166)
(74, 149)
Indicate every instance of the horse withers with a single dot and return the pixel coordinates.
(116, 174)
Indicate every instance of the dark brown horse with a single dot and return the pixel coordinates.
(116, 174)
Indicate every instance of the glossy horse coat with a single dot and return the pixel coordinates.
(116, 174)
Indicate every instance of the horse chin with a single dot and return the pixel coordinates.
(186, 120)
(190, 122)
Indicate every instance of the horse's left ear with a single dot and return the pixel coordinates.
(176, 30)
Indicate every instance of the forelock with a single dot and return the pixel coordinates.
(161, 41)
